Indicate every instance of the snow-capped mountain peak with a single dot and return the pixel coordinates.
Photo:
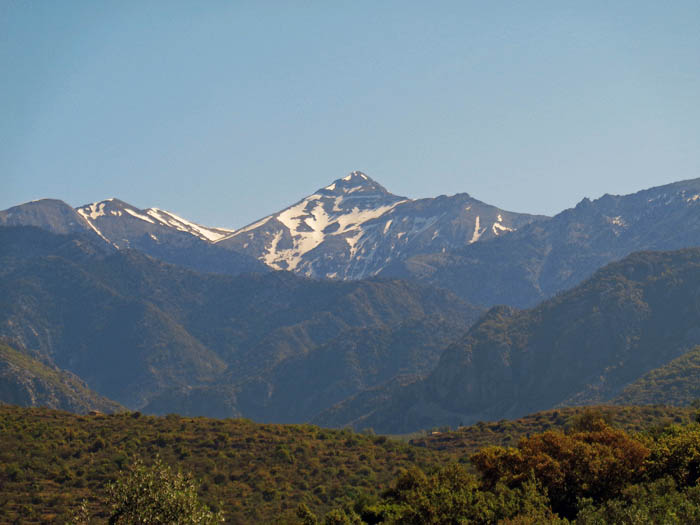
(355, 182)
(112, 215)
(354, 227)
(334, 214)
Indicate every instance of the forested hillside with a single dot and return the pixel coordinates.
(162, 338)
(582, 347)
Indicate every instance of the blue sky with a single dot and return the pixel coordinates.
(223, 112)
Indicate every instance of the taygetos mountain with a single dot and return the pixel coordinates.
(351, 229)
(354, 227)
(27, 381)
(117, 225)
(549, 256)
(141, 331)
(581, 347)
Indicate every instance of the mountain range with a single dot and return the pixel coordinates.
(354, 306)
(354, 228)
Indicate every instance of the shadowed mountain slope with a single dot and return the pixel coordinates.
(583, 346)
(141, 331)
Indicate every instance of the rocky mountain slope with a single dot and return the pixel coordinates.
(549, 256)
(581, 347)
(354, 228)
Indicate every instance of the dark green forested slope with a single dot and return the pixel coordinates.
(590, 474)
(582, 347)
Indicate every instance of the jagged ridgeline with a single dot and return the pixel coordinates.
(354, 228)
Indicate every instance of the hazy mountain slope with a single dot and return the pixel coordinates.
(26, 381)
(135, 328)
(298, 388)
(354, 227)
(549, 256)
(583, 346)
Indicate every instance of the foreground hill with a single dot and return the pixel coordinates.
(150, 334)
(257, 473)
(581, 347)
(26, 381)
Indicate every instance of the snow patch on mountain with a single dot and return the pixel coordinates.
(170, 219)
(138, 215)
(498, 227)
(478, 232)
(99, 214)
(93, 211)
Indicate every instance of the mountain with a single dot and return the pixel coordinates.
(119, 225)
(50, 214)
(121, 222)
(28, 382)
(583, 346)
(144, 332)
(549, 256)
(354, 227)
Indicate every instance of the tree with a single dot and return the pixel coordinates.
(155, 495)
(596, 464)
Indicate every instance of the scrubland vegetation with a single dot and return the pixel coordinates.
(568, 465)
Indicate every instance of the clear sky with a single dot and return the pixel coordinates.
(223, 112)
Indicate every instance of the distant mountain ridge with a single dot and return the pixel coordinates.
(350, 229)
(118, 225)
(354, 228)
(549, 256)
